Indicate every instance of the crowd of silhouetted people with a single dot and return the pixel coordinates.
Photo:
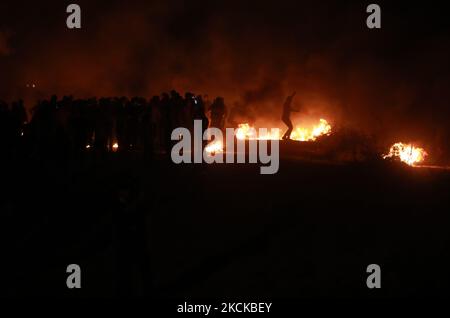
(70, 126)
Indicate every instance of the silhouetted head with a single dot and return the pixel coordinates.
(219, 101)
(174, 94)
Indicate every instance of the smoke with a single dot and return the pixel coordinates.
(255, 53)
(225, 49)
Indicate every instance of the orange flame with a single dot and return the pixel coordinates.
(407, 153)
(305, 134)
(214, 147)
(245, 131)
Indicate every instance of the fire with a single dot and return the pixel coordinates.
(407, 153)
(215, 146)
(305, 134)
(245, 131)
(115, 146)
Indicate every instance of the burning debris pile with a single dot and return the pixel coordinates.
(300, 133)
(403, 152)
(122, 125)
(407, 153)
(245, 131)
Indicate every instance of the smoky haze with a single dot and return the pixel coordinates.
(392, 82)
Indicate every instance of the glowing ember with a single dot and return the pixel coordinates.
(214, 147)
(115, 146)
(407, 153)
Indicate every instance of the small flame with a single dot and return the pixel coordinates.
(115, 146)
(214, 147)
(247, 132)
(407, 153)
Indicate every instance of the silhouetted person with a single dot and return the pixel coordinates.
(6, 128)
(286, 117)
(166, 110)
(147, 130)
(134, 109)
(103, 126)
(120, 105)
(199, 112)
(156, 123)
(44, 128)
(19, 116)
(188, 111)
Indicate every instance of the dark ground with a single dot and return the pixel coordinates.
(152, 229)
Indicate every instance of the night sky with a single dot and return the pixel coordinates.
(393, 81)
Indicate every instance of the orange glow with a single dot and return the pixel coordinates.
(214, 147)
(407, 153)
(245, 131)
(306, 134)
